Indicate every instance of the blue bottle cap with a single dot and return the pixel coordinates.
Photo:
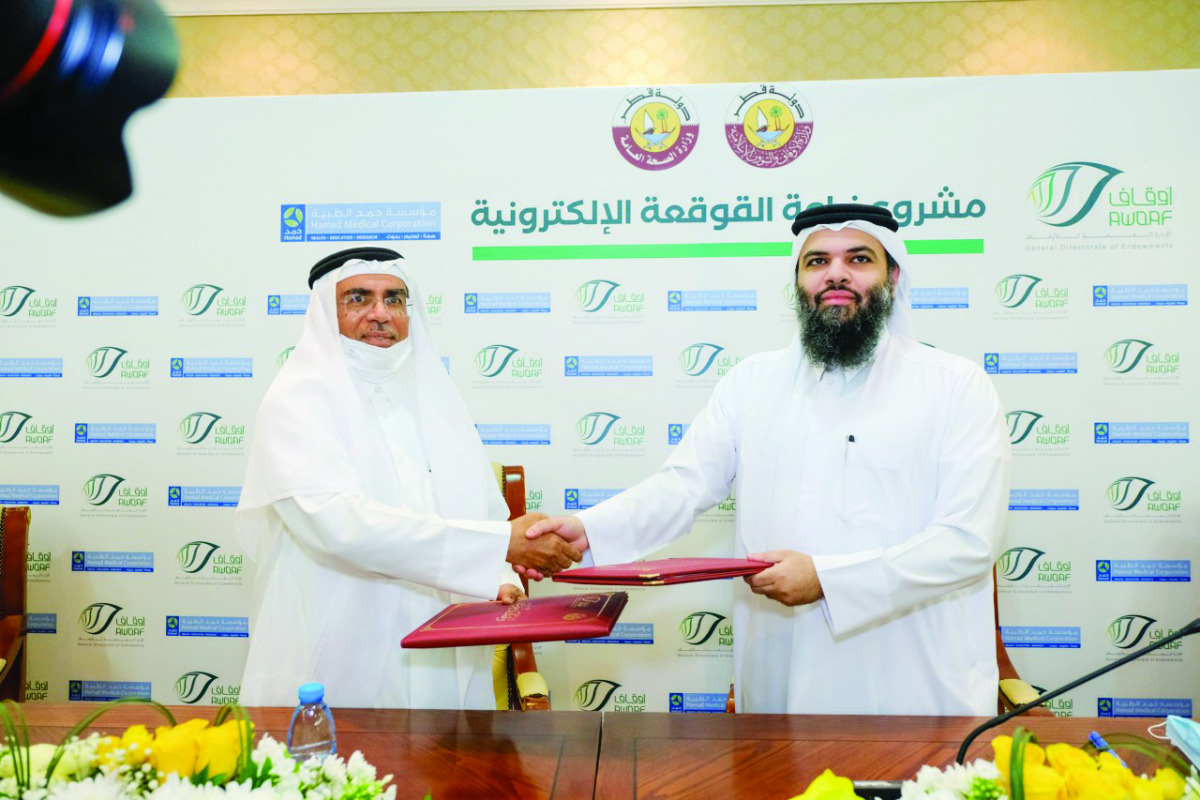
(312, 693)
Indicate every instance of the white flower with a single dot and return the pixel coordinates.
(359, 769)
(334, 769)
(100, 787)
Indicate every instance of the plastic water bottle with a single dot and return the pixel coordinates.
(311, 733)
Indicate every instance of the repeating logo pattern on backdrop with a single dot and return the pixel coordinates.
(192, 687)
(604, 301)
(107, 493)
(207, 305)
(1139, 362)
(1130, 632)
(603, 433)
(1138, 499)
(1027, 570)
(1031, 434)
(705, 634)
(20, 434)
(107, 624)
(23, 307)
(1026, 297)
(206, 563)
(597, 695)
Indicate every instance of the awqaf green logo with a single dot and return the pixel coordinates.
(1125, 493)
(191, 686)
(11, 423)
(96, 618)
(593, 695)
(1020, 424)
(592, 428)
(1015, 563)
(1065, 193)
(699, 626)
(1125, 354)
(492, 359)
(12, 299)
(103, 360)
(1127, 631)
(99, 489)
(1014, 290)
(197, 299)
(194, 428)
(194, 556)
(592, 296)
(696, 359)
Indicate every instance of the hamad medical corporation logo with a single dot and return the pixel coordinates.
(1065, 194)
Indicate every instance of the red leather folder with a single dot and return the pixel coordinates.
(664, 571)
(542, 619)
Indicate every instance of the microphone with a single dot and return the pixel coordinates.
(1190, 628)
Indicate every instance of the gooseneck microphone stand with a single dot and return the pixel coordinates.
(1190, 628)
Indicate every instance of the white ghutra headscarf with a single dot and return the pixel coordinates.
(315, 435)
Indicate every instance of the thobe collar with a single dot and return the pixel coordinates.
(853, 372)
(375, 364)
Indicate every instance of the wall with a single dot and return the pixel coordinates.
(348, 53)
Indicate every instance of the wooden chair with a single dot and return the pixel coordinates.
(517, 683)
(14, 537)
(1012, 691)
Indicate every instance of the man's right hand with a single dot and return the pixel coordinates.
(544, 554)
(569, 528)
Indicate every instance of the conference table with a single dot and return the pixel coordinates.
(578, 755)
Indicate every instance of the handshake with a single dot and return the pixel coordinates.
(542, 545)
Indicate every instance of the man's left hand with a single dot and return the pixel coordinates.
(510, 594)
(792, 580)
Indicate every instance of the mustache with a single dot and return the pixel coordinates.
(858, 298)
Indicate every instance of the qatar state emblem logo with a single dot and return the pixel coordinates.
(768, 125)
(655, 128)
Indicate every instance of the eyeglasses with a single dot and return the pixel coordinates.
(361, 303)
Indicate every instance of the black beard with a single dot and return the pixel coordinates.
(832, 341)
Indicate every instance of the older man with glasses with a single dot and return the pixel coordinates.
(369, 505)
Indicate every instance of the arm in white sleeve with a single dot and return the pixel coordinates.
(363, 537)
(961, 542)
(698, 475)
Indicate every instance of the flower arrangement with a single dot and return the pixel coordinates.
(188, 761)
(1023, 770)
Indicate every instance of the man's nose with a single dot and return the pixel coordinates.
(378, 311)
(838, 271)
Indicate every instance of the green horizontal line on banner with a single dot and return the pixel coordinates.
(924, 247)
(567, 252)
(591, 251)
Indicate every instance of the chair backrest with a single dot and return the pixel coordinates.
(14, 538)
(512, 483)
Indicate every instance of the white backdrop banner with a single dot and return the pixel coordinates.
(595, 260)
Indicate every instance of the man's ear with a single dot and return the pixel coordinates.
(893, 275)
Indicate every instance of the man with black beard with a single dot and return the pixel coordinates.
(869, 469)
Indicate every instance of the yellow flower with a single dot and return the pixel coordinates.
(828, 786)
(175, 749)
(1145, 789)
(1084, 783)
(133, 747)
(1043, 783)
(1002, 745)
(220, 748)
(1063, 756)
(1171, 784)
(1112, 765)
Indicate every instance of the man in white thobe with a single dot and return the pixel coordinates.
(872, 470)
(369, 505)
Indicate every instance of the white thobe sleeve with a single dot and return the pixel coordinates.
(498, 510)
(362, 537)
(698, 475)
(962, 540)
